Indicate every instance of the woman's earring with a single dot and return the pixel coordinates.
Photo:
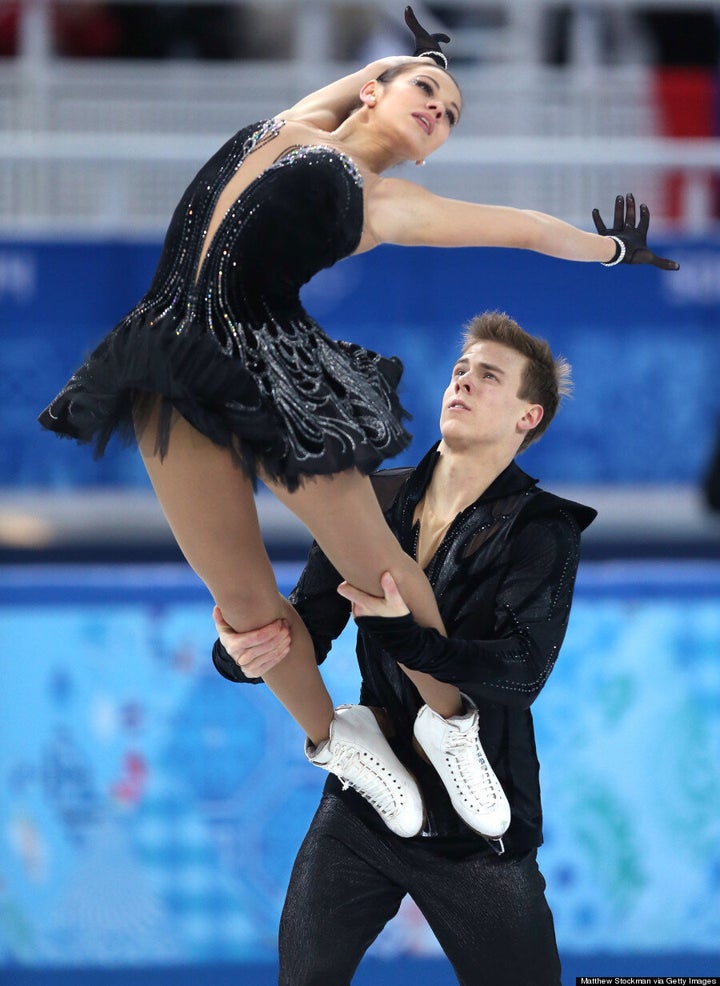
(420, 164)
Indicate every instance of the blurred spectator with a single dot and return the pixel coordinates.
(140, 30)
(372, 36)
(181, 30)
(683, 37)
(711, 479)
(9, 21)
(95, 29)
(85, 30)
(608, 28)
(685, 47)
(669, 36)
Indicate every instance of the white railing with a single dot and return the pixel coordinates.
(129, 184)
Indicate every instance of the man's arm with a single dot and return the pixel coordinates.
(531, 611)
(318, 604)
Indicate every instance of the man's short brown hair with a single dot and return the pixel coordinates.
(546, 379)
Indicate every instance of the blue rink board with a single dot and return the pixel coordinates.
(150, 811)
(59, 298)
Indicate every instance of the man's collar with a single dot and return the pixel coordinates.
(511, 480)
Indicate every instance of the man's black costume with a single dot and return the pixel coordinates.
(503, 577)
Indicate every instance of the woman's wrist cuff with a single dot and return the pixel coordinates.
(620, 251)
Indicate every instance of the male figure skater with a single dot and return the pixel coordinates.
(501, 555)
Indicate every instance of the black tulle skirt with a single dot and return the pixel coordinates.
(295, 402)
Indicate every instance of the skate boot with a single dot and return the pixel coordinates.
(453, 748)
(358, 753)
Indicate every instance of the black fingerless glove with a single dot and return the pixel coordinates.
(426, 43)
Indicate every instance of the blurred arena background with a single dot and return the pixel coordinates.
(149, 811)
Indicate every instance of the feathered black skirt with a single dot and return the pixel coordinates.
(295, 403)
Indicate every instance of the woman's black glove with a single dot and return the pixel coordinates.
(426, 43)
(631, 240)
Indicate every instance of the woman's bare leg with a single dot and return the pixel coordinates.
(210, 506)
(344, 517)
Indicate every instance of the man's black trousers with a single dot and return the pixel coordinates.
(488, 912)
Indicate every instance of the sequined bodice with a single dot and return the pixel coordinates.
(222, 337)
(303, 213)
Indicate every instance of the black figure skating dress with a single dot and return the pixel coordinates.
(235, 352)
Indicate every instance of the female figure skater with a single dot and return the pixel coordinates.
(220, 367)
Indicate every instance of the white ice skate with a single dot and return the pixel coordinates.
(358, 753)
(453, 748)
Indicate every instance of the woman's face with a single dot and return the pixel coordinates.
(425, 104)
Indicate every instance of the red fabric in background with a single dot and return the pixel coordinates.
(688, 105)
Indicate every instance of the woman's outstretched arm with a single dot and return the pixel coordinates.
(405, 213)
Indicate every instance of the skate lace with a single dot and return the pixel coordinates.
(469, 761)
(361, 773)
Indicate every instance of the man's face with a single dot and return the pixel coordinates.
(480, 406)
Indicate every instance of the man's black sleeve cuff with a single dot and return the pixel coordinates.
(402, 638)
